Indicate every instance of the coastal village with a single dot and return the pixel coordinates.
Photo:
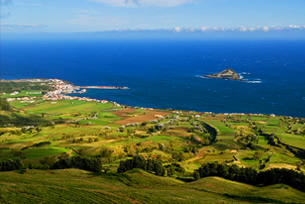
(60, 89)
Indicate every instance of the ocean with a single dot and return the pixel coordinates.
(166, 73)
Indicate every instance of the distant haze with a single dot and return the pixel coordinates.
(203, 16)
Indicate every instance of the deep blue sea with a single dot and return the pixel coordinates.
(166, 73)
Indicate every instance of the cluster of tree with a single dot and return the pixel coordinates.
(10, 165)
(271, 138)
(174, 168)
(89, 164)
(150, 165)
(4, 105)
(247, 140)
(251, 176)
(212, 130)
(45, 162)
(182, 156)
(105, 152)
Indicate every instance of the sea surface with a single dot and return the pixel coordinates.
(167, 73)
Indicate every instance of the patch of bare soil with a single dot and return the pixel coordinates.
(199, 155)
(122, 113)
(149, 115)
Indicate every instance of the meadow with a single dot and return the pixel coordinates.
(136, 186)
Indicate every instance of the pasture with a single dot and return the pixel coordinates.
(76, 127)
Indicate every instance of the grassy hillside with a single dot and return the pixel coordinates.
(136, 186)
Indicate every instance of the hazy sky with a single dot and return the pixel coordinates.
(98, 15)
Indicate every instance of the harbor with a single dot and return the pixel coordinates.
(61, 87)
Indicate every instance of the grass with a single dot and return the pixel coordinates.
(66, 107)
(294, 140)
(223, 129)
(273, 122)
(136, 186)
(259, 118)
(176, 139)
(34, 153)
(24, 93)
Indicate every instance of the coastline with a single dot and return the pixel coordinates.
(60, 89)
(63, 87)
(210, 77)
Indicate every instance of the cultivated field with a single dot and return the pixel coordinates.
(88, 128)
(40, 133)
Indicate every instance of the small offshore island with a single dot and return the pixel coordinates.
(225, 74)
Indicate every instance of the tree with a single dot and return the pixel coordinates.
(4, 105)
(258, 155)
(196, 175)
(158, 168)
(233, 172)
(222, 170)
(139, 162)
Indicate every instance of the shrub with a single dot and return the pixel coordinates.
(10, 165)
(41, 144)
(89, 164)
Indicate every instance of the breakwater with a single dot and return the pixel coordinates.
(101, 87)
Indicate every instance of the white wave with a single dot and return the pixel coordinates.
(254, 82)
(201, 77)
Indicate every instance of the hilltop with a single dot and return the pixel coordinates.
(225, 74)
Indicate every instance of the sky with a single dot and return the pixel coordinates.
(71, 16)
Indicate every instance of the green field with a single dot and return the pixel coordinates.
(66, 107)
(39, 133)
(24, 93)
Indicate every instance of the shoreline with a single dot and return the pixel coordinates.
(63, 87)
(209, 77)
